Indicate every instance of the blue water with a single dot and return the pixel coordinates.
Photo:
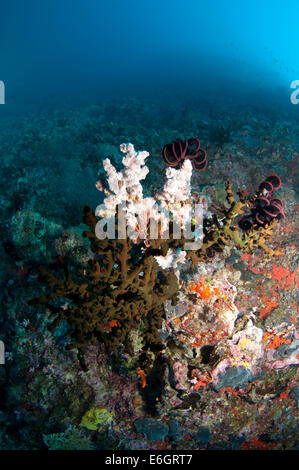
(58, 51)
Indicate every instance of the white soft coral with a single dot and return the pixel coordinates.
(125, 189)
(177, 188)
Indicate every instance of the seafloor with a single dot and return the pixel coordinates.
(240, 389)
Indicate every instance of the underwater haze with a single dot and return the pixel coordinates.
(149, 220)
(80, 50)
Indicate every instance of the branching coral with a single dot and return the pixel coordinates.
(227, 230)
(129, 279)
(120, 289)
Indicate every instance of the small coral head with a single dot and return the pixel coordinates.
(175, 153)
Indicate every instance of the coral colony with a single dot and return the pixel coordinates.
(148, 295)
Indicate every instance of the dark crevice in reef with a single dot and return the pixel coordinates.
(206, 353)
(153, 393)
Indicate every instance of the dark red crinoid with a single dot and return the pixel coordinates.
(174, 154)
(274, 180)
(265, 207)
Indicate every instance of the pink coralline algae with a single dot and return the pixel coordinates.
(180, 370)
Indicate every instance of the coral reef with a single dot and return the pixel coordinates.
(226, 376)
(127, 281)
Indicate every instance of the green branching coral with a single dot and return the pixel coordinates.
(225, 231)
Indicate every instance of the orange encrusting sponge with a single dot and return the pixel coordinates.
(204, 290)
